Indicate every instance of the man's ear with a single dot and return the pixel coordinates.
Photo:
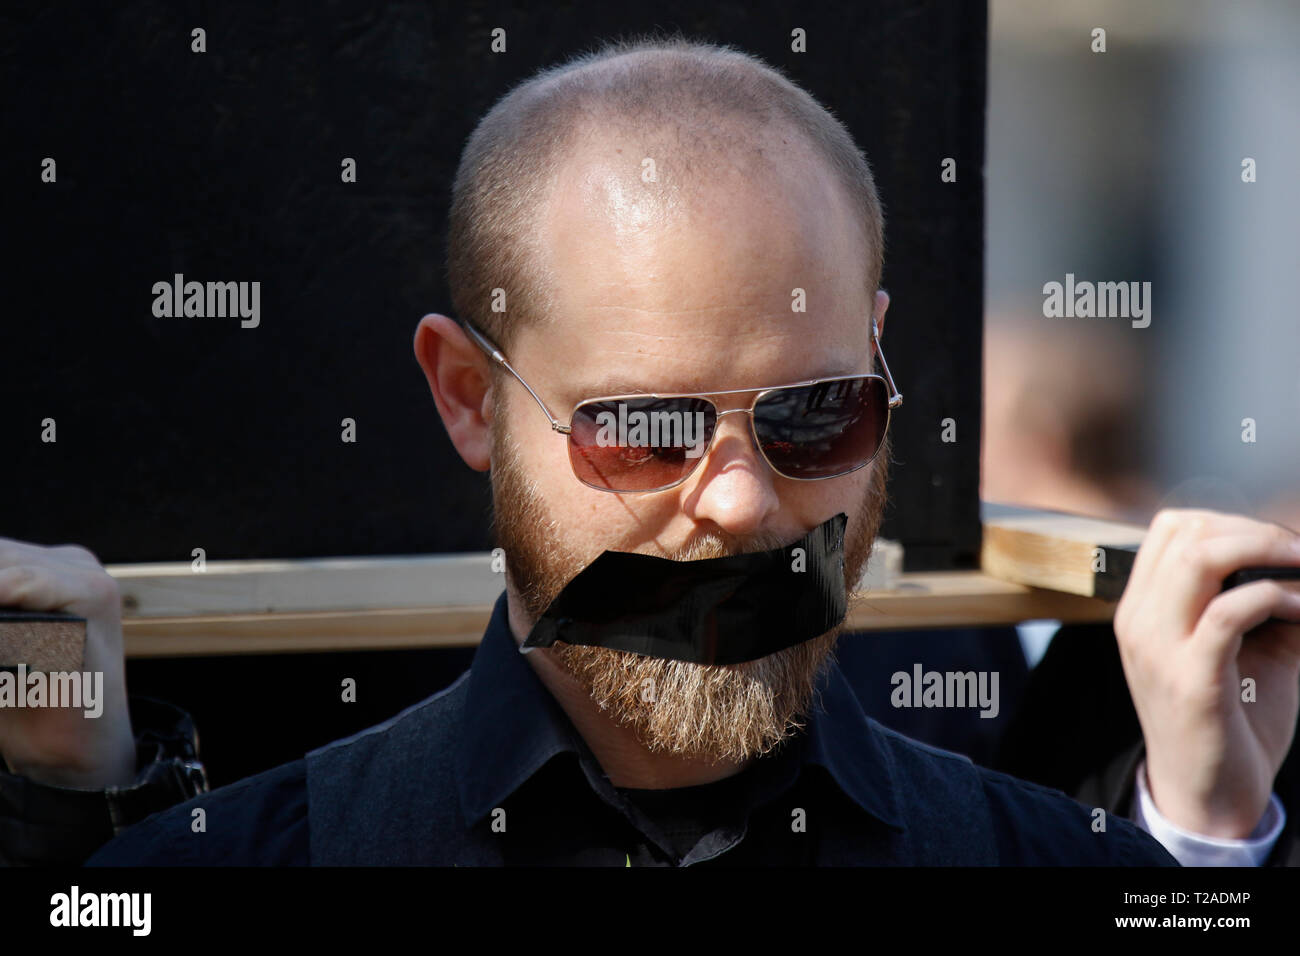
(461, 384)
(882, 305)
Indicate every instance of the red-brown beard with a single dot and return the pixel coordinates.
(729, 712)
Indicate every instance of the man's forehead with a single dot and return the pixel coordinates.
(610, 241)
(624, 182)
(640, 353)
(756, 270)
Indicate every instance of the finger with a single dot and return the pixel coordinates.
(76, 554)
(35, 588)
(1167, 526)
(14, 552)
(1230, 615)
(1200, 566)
(1161, 531)
(1171, 531)
(1222, 523)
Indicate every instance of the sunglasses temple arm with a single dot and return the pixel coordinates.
(895, 397)
(494, 353)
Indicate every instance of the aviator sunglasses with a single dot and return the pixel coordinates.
(808, 431)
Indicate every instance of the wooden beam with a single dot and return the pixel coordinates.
(1036, 565)
(921, 600)
(232, 588)
(1068, 553)
(40, 641)
(948, 599)
(175, 589)
(306, 631)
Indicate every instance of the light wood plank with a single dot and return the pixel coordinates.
(1063, 552)
(174, 589)
(922, 600)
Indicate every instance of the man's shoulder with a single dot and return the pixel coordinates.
(258, 821)
(1040, 825)
(274, 818)
(416, 744)
(370, 792)
(426, 726)
(1030, 824)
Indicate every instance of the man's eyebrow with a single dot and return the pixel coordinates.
(616, 386)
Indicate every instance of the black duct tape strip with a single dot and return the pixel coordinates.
(715, 611)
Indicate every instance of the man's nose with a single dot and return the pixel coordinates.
(734, 487)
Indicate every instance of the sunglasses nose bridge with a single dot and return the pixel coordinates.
(753, 437)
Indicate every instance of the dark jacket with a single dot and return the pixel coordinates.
(490, 772)
(1075, 728)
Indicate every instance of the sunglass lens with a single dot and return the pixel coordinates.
(639, 444)
(825, 429)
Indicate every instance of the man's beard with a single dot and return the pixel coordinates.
(725, 712)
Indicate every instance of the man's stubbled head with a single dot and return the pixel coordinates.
(670, 217)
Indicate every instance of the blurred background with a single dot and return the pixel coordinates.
(1126, 166)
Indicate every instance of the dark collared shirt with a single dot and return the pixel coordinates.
(491, 771)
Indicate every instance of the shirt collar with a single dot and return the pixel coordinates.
(851, 747)
(512, 726)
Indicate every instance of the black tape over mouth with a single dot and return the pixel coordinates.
(715, 611)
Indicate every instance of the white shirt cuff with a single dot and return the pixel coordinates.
(1193, 849)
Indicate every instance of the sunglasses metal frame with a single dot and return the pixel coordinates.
(895, 400)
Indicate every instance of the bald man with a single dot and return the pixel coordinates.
(626, 230)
